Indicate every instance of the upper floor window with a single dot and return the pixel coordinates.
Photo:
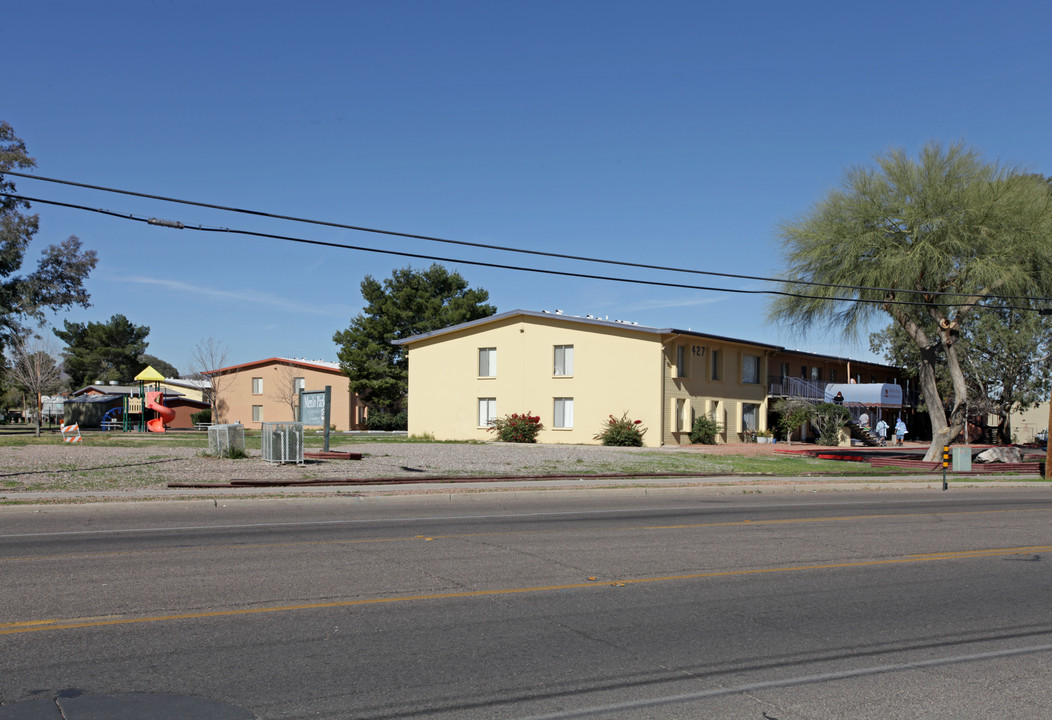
(563, 360)
(832, 375)
(257, 386)
(715, 357)
(299, 384)
(681, 361)
(816, 373)
(750, 369)
(487, 362)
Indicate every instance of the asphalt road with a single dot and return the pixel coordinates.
(682, 605)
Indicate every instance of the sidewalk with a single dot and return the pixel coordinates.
(451, 489)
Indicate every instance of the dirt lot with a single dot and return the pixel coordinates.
(88, 467)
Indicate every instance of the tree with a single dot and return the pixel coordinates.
(58, 281)
(286, 388)
(33, 368)
(205, 358)
(161, 366)
(103, 351)
(927, 242)
(406, 304)
(1007, 361)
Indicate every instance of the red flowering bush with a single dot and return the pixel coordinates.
(622, 432)
(517, 428)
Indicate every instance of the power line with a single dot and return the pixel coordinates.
(478, 263)
(501, 248)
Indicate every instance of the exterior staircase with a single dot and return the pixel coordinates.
(863, 434)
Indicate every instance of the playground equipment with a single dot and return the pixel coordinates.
(165, 414)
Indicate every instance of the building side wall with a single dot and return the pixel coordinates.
(615, 371)
(236, 396)
(1026, 424)
(691, 391)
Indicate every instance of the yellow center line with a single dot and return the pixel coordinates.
(29, 626)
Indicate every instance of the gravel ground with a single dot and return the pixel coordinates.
(84, 467)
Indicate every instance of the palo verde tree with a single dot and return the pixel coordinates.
(926, 241)
(103, 351)
(406, 304)
(58, 281)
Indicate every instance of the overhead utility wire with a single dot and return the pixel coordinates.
(485, 246)
(562, 273)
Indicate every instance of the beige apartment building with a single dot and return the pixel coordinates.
(266, 391)
(575, 372)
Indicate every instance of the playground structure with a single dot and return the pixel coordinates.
(130, 415)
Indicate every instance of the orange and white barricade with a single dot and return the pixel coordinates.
(73, 431)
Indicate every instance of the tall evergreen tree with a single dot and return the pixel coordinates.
(58, 281)
(406, 304)
(103, 351)
(943, 232)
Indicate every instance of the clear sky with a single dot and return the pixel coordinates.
(669, 133)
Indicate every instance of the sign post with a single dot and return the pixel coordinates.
(314, 409)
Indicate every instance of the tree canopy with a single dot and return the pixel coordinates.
(162, 366)
(925, 241)
(103, 351)
(406, 304)
(58, 281)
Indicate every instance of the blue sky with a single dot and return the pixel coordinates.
(671, 133)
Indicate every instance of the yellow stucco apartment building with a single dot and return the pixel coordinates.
(575, 372)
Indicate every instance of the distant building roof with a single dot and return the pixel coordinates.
(295, 362)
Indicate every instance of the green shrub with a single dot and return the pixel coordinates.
(828, 419)
(792, 413)
(205, 416)
(517, 428)
(704, 431)
(384, 421)
(622, 432)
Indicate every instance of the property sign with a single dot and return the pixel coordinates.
(314, 409)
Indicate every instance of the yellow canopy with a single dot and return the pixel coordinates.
(149, 375)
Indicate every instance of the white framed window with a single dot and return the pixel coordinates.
(750, 368)
(563, 416)
(299, 384)
(681, 361)
(488, 362)
(257, 386)
(681, 411)
(563, 360)
(715, 357)
(487, 411)
(257, 413)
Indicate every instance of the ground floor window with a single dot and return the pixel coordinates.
(750, 417)
(487, 411)
(257, 413)
(563, 413)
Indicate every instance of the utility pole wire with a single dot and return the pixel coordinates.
(174, 224)
(502, 248)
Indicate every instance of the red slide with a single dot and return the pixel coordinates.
(166, 413)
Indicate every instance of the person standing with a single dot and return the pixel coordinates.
(900, 431)
(882, 432)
